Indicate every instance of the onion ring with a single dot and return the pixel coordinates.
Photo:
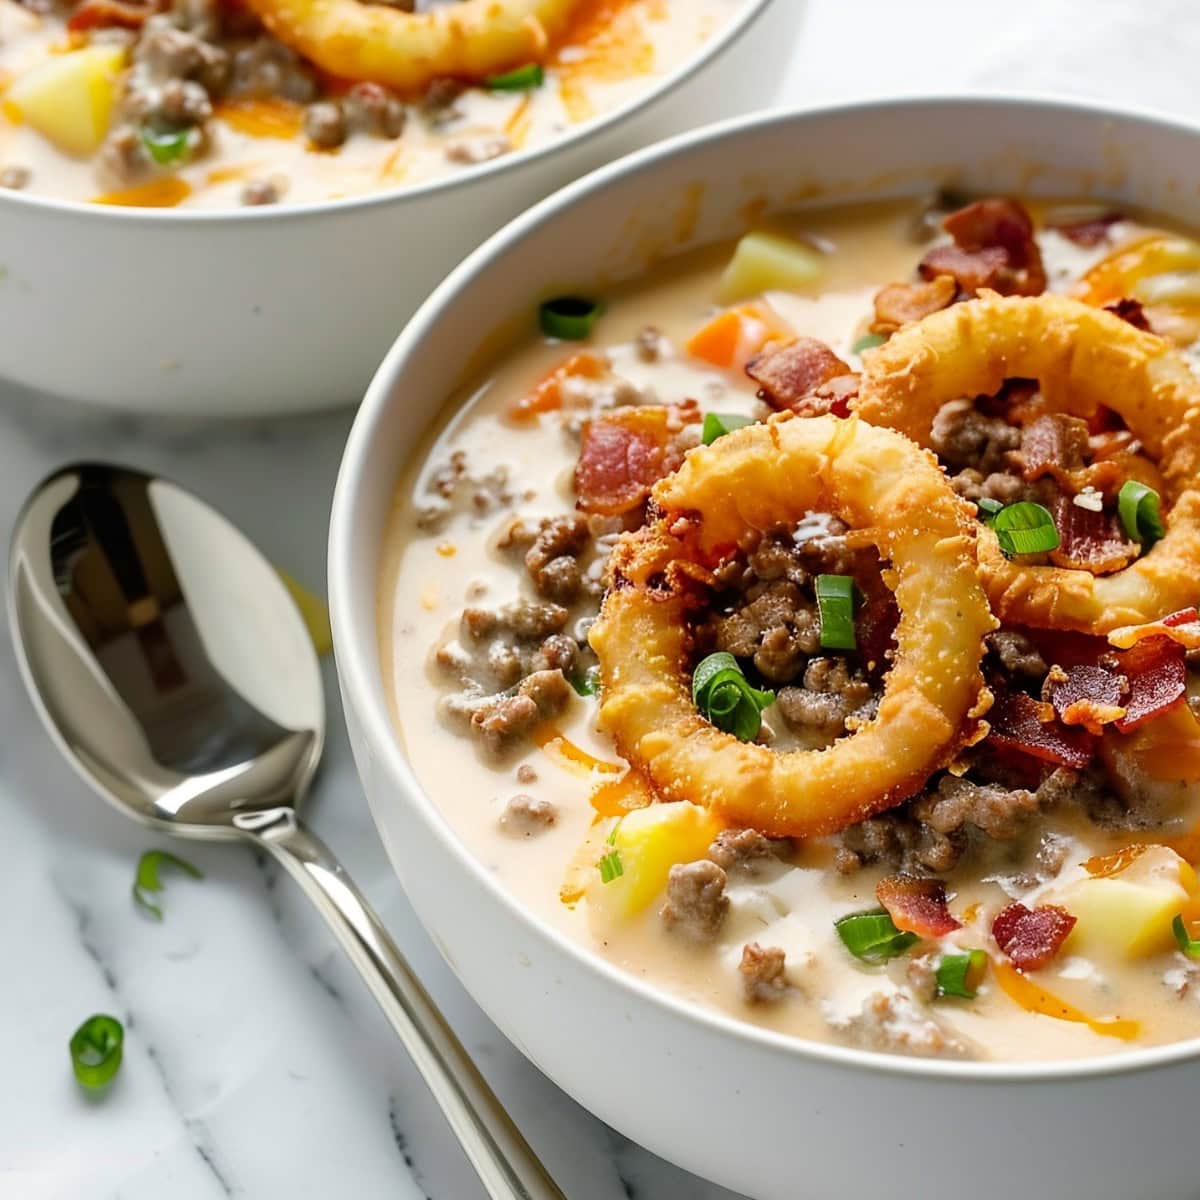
(757, 478)
(1083, 358)
(377, 44)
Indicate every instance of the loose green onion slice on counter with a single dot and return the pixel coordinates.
(835, 602)
(988, 508)
(586, 683)
(147, 880)
(96, 1050)
(610, 867)
(569, 318)
(166, 147)
(723, 694)
(872, 935)
(1140, 512)
(959, 974)
(1189, 945)
(521, 79)
(868, 341)
(1025, 528)
(719, 424)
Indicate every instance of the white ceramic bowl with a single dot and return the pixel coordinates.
(776, 1118)
(260, 311)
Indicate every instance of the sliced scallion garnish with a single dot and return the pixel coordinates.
(1188, 944)
(868, 341)
(610, 867)
(521, 79)
(1025, 528)
(959, 974)
(147, 880)
(1140, 512)
(96, 1050)
(167, 147)
(872, 935)
(835, 601)
(569, 318)
(723, 694)
(586, 683)
(988, 507)
(719, 424)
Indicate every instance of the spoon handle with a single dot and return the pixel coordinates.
(503, 1159)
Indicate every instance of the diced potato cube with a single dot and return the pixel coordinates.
(1130, 913)
(69, 98)
(763, 261)
(648, 842)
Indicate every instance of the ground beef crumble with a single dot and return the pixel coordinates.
(748, 852)
(763, 972)
(525, 815)
(894, 1023)
(696, 902)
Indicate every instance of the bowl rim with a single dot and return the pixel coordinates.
(357, 656)
(738, 25)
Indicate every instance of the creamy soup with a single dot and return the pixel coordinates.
(194, 102)
(1031, 896)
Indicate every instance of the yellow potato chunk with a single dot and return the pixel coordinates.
(69, 98)
(765, 261)
(1129, 913)
(647, 843)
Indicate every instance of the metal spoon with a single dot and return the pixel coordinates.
(168, 661)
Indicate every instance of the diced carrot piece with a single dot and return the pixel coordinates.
(546, 396)
(736, 335)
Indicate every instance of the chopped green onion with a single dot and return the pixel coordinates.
(959, 974)
(1025, 528)
(872, 935)
(868, 341)
(147, 879)
(988, 507)
(1189, 945)
(610, 867)
(835, 601)
(611, 840)
(569, 318)
(521, 79)
(586, 683)
(167, 147)
(1140, 512)
(96, 1050)
(725, 697)
(719, 424)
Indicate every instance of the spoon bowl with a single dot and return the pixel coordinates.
(169, 662)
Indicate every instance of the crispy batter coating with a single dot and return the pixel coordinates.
(758, 478)
(373, 42)
(1083, 358)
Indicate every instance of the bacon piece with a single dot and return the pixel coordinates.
(1018, 722)
(1157, 679)
(1182, 627)
(897, 304)
(788, 374)
(1090, 541)
(917, 905)
(833, 397)
(626, 451)
(1089, 233)
(1087, 694)
(1130, 310)
(107, 14)
(875, 624)
(1031, 937)
(993, 247)
(1053, 444)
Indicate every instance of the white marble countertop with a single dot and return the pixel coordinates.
(256, 1063)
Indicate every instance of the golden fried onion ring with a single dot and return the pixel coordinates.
(758, 478)
(378, 44)
(1083, 358)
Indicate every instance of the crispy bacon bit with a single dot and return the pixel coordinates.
(1018, 722)
(1089, 233)
(1157, 679)
(625, 452)
(834, 397)
(1053, 444)
(917, 905)
(1031, 937)
(787, 375)
(1090, 541)
(1130, 310)
(993, 247)
(1182, 627)
(875, 624)
(1087, 694)
(897, 304)
(107, 14)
